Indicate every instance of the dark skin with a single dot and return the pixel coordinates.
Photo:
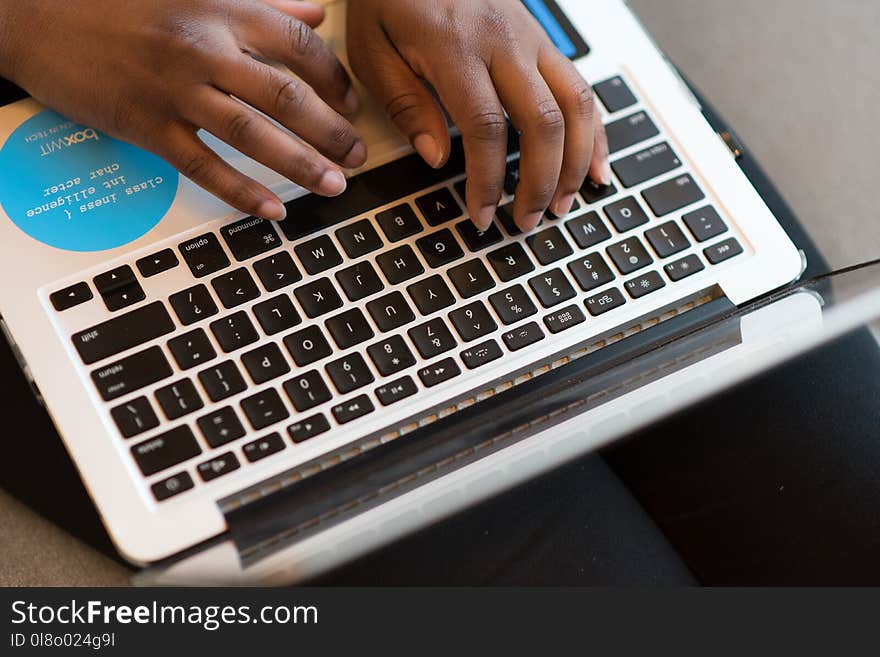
(154, 72)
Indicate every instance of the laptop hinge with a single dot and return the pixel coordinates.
(733, 143)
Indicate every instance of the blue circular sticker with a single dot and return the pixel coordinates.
(77, 189)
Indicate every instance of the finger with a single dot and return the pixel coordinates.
(600, 166)
(255, 136)
(279, 37)
(536, 114)
(308, 12)
(294, 105)
(189, 155)
(407, 102)
(575, 98)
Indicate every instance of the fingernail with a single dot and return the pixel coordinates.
(563, 206)
(529, 222)
(429, 149)
(272, 209)
(356, 156)
(332, 183)
(484, 217)
(351, 102)
(605, 172)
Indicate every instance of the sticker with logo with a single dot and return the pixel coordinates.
(74, 188)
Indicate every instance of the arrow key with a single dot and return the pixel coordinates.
(119, 288)
(218, 466)
(70, 296)
(157, 263)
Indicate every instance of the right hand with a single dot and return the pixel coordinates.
(154, 72)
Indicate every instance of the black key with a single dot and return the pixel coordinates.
(222, 381)
(549, 245)
(218, 466)
(173, 485)
(471, 278)
(588, 230)
(193, 304)
(481, 354)
(642, 285)
(157, 263)
(614, 94)
(431, 294)
(602, 302)
(277, 314)
(552, 288)
(349, 328)
(179, 399)
(683, 268)
(264, 409)
(359, 239)
(472, 321)
(629, 130)
(119, 288)
(234, 332)
(307, 346)
(71, 296)
(308, 428)
(477, 239)
(440, 248)
(591, 271)
(564, 319)
(359, 281)
(349, 373)
(667, 239)
(511, 177)
(166, 450)
(432, 338)
(265, 363)
(439, 207)
(704, 223)
(318, 297)
(204, 255)
(629, 255)
(262, 447)
(390, 312)
(718, 253)
(523, 336)
(124, 332)
(505, 216)
(131, 373)
(646, 164)
(353, 409)
(594, 192)
(400, 264)
(510, 261)
(250, 237)
(513, 304)
(673, 195)
(134, 417)
(221, 427)
(395, 391)
(192, 349)
(626, 214)
(235, 288)
(307, 391)
(391, 355)
(439, 372)
(399, 223)
(318, 255)
(461, 189)
(277, 271)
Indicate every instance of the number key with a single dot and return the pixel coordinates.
(473, 321)
(513, 304)
(391, 355)
(629, 255)
(307, 391)
(349, 373)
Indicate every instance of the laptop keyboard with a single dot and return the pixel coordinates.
(288, 332)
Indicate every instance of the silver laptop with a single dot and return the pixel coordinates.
(213, 374)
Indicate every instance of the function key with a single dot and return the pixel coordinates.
(644, 165)
(349, 373)
(477, 239)
(513, 304)
(166, 450)
(359, 281)
(601, 303)
(399, 223)
(629, 255)
(391, 355)
(359, 239)
(395, 391)
(218, 466)
(673, 195)
(667, 239)
(277, 271)
(173, 485)
(119, 288)
(704, 223)
(588, 230)
(549, 245)
(193, 304)
(645, 284)
(191, 349)
(614, 94)
(277, 314)
(71, 296)
(629, 131)
(179, 399)
(471, 278)
(221, 427)
(308, 428)
(264, 409)
(431, 294)
(400, 264)
(307, 346)
(683, 268)
(124, 332)
(204, 255)
(263, 447)
(390, 312)
(235, 288)
(472, 321)
(131, 373)
(481, 354)
(510, 261)
(439, 372)
(353, 409)
(718, 253)
(440, 248)
(432, 338)
(439, 207)
(265, 363)
(318, 255)
(318, 298)
(234, 332)
(250, 237)
(626, 214)
(349, 328)
(564, 319)
(523, 336)
(594, 192)
(591, 272)
(222, 381)
(307, 391)
(552, 288)
(152, 265)
(134, 417)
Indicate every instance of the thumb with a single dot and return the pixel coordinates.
(308, 12)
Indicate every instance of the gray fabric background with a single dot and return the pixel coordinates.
(799, 81)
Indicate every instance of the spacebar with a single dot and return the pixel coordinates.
(124, 332)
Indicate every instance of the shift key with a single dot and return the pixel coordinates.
(131, 373)
(124, 332)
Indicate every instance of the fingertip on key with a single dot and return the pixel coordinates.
(273, 210)
(528, 222)
(332, 183)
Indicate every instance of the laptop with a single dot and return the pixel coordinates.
(228, 387)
